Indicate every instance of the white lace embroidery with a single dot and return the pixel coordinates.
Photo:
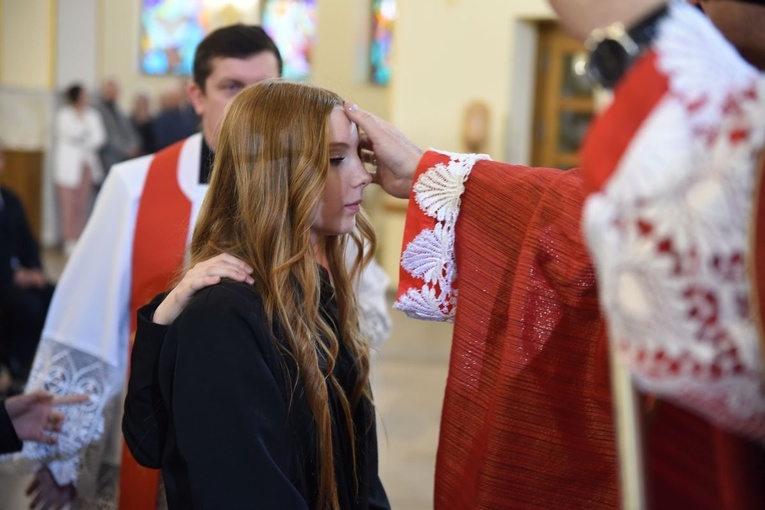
(668, 233)
(430, 255)
(60, 370)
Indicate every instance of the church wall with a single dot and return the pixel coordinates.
(448, 53)
(26, 43)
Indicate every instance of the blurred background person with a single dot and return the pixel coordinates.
(141, 118)
(25, 293)
(77, 168)
(176, 119)
(122, 140)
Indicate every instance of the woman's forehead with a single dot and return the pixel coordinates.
(341, 129)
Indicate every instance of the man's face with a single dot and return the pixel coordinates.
(111, 91)
(228, 77)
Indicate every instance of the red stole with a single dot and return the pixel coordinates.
(159, 247)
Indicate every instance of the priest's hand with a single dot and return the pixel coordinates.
(47, 493)
(198, 277)
(580, 17)
(393, 154)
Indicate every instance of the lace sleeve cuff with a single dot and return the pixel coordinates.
(428, 277)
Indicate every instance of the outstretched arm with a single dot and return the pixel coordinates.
(434, 182)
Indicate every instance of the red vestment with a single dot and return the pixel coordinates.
(499, 249)
(527, 419)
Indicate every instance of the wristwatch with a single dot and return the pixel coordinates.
(613, 49)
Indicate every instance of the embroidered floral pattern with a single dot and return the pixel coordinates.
(668, 233)
(429, 257)
(65, 371)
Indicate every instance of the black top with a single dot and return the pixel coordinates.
(225, 425)
(18, 246)
(206, 163)
(9, 441)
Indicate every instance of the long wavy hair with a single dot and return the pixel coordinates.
(270, 169)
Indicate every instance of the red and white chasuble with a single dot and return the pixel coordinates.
(672, 165)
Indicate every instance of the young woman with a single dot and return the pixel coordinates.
(264, 397)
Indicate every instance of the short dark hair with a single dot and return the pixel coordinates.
(73, 93)
(235, 41)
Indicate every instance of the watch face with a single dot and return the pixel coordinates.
(607, 62)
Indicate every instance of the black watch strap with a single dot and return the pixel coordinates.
(646, 30)
(613, 49)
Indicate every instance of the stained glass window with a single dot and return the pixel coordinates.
(172, 29)
(383, 16)
(292, 26)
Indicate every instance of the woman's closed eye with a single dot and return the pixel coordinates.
(336, 160)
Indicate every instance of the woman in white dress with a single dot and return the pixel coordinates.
(77, 170)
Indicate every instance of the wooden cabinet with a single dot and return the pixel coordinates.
(23, 175)
(564, 102)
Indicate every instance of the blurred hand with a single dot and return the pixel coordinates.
(48, 494)
(33, 416)
(26, 278)
(395, 156)
(580, 17)
(198, 277)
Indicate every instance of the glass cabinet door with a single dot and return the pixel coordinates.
(564, 101)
